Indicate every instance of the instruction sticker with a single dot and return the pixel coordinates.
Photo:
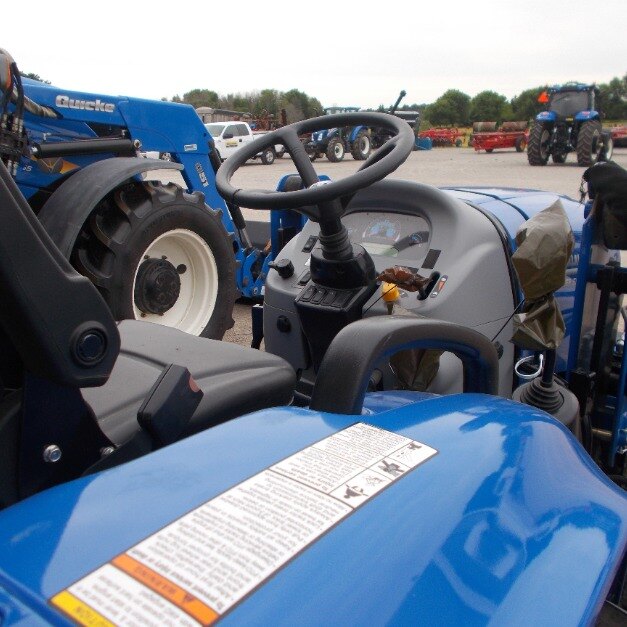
(200, 566)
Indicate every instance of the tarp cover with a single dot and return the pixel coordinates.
(545, 243)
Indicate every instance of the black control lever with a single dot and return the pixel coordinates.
(163, 416)
(170, 405)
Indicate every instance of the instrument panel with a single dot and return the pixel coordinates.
(389, 235)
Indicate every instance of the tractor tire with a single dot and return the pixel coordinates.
(335, 150)
(559, 157)
(489, 150)
(361, 147)
(538, 147)
(589, 143)
(520, 144)
(159, 254)
(268, 156)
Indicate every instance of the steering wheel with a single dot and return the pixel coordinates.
(315, 200)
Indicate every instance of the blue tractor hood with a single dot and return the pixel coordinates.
(459, 510)
(513, 206)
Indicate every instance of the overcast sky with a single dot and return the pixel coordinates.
(341, 52)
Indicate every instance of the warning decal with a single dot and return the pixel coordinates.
(201, 565)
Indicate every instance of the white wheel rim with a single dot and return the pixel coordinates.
(199, 282)
(338, 150)
(365, 145)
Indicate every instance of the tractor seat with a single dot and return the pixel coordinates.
(235, 380)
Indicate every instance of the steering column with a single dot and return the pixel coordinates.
(342, 274)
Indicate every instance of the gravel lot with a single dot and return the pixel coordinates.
(441, 167)
(446, 167)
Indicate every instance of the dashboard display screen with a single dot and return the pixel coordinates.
(389, 234)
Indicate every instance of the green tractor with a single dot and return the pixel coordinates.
(570, 123)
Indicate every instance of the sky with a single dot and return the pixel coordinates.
(342, 52)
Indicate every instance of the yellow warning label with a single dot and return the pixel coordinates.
(203, 564)
(79, 611)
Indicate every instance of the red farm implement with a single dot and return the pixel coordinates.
(510, 135)
(443, 136)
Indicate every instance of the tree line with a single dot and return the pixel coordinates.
(452, 108)
(455, 108)
(298, 105)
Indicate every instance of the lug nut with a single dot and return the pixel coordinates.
(52, 454)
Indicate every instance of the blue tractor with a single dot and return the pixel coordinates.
(571, 123)
(151, 477)
(358, 140)
(334, 143)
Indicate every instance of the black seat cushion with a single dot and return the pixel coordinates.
(235, 380)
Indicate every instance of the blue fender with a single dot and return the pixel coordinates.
(356, 130)
(546, 116)
(583, 116)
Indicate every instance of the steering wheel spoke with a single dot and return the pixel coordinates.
(299, 156)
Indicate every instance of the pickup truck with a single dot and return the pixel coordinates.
(229, 137)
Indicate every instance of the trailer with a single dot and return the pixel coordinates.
(509, 135)
(500, 139)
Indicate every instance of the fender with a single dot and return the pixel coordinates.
(582, 116)
(327, 135)
(547, 116)
(71, 204)
(354, 133)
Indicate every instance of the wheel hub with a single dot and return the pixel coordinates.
(157, 286)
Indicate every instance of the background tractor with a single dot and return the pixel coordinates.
(358, 140)
(571, 123)
(334, 143)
